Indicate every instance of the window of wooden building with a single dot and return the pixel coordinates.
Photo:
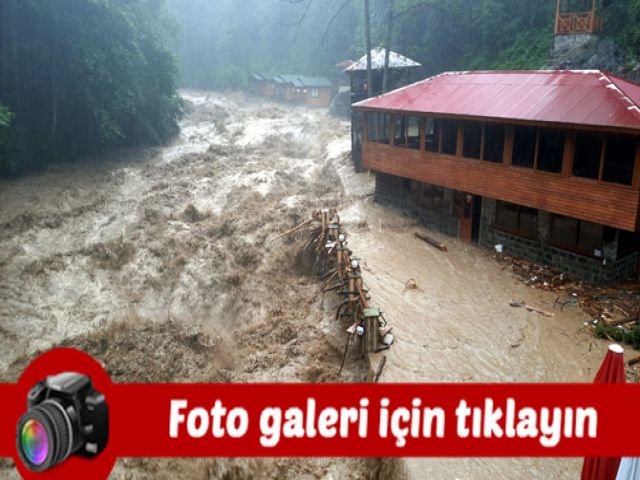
(400, 131)
(524, 146)
(550, 150)
(432, 135)
(384, 128)
(617, 163)
(379, 127)
(472, 142)
(577, 235)
(449, 135)
(619, 159)
(413, 132)
(517, 219)
(372, 126)
(407, 131)
(494, 136)
(587, 155)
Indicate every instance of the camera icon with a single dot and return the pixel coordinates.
(65, 416)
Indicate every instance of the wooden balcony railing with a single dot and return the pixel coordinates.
(586, 22)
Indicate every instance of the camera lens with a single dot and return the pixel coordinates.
(44, 436)
(34, 442)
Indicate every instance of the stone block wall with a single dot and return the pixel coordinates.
(604, 270)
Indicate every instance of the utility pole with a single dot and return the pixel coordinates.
(367, 41)
(387, 45)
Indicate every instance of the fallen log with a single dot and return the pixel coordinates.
(633, 361)
(529, 308)
(431, 241)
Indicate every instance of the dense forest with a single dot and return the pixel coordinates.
(79, 76)
(83, 75)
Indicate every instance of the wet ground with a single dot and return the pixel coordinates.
(453, 323)
(154, 255)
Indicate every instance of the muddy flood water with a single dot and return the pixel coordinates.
(163, 263)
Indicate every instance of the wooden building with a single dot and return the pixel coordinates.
(284, 89)
(314, 91)
(297, 89)
(545, 163)
(579, 17)
(262, 85)
(258, 84)
(578, 23)
(402, 71)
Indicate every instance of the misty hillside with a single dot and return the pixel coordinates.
(222, 42)
(78, 77)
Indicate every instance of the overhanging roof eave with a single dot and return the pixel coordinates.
(507, 121)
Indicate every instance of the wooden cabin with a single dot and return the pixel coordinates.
(257, 84)
(578, 23)
(296, 89)
(544, 163)
(267, 85)
(579, 17)
(284, 89)
(314, 91)
(402, 71)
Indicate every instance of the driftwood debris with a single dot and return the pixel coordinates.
(622, 321)
(294, 229)
(616, 303)
(431, 241)
(521, 304)
(633, 361)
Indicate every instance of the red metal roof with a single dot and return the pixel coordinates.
(578, 97)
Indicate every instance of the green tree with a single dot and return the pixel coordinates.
(6, 118)
(85, 75)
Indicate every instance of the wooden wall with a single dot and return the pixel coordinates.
(608, 204)
(323, 100)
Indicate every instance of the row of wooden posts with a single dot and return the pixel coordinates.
(334, 261)
(344, 276)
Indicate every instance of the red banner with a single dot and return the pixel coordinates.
(340, 420)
